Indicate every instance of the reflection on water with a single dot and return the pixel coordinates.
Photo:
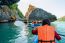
(23, 32)
(14, 32)
(18, 32)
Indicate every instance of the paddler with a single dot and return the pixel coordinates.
(46, 33)
(34, 24)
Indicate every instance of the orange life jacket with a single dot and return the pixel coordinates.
(46, 34)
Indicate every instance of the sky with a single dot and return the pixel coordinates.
(56, 7)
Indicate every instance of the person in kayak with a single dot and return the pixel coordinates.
(46, 33)
(34, 24)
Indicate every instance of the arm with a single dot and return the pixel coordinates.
(57, 36)
(35, 32)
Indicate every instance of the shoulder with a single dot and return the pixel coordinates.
(52, 27)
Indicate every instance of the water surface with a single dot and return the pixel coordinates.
(18, 32)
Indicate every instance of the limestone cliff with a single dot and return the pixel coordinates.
(30, 9)
(7, 14)
(34, 13)
(9, 10)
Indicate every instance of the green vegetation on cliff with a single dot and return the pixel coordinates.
(20, 14)
(14, 7)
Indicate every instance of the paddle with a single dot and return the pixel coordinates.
(62, 35)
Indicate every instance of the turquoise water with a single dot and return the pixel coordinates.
(60, 29)
(18, 32)
(8, 32)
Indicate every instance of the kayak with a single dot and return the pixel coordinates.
(34, 25)
(35, 39)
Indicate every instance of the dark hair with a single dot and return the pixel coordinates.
(45, 21)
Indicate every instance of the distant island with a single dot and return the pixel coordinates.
(61, 19)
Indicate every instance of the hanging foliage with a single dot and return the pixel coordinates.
(8, 2)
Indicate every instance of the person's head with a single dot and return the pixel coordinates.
(45, 21)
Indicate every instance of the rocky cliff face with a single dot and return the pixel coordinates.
(9, 10)
(40, 14)
(6, 12)
(34, 13)
(30, 9)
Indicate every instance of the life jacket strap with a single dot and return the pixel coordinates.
(46, 41)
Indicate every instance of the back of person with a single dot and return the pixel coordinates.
(46, 34)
